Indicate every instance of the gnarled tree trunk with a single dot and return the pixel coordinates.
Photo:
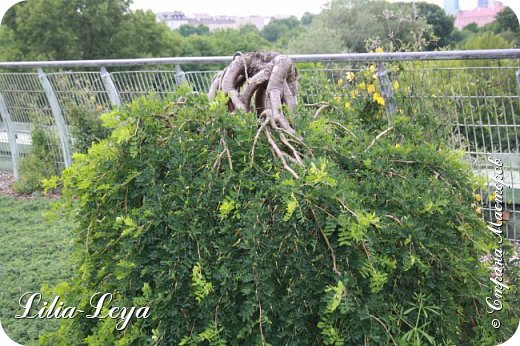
(272, 80)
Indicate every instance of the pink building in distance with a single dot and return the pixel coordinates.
(481, 16)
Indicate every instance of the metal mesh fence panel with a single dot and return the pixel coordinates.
(81, 97)
(79, 90)
(134, 84)
(30, 115)
(200, 81)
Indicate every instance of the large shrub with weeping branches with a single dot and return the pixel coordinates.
(371, 236)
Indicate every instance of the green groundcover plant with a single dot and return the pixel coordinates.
(183, 209)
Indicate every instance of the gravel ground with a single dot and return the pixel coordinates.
(6, 180)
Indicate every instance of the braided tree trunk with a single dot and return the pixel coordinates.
(272, 80)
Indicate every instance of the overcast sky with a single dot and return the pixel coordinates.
(250, 7)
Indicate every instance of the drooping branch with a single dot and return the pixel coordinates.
(272, 81)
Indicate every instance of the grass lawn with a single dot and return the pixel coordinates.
(34, 250)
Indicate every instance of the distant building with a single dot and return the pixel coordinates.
(451, 7)
(214, 23)
(257, 21)
(480, 16)
(483, 3)
(486, 3)
(177, 18)
(173, 19)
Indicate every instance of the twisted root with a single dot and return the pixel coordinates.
(272, 80)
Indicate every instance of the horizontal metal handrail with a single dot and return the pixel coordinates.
(347, 57)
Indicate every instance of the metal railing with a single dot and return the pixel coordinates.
(472, 98)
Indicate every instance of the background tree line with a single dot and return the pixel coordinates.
(95, 29)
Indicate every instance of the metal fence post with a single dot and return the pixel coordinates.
(180, 76)
(387, 90)
(11, 136)
(110, 87)
(58, 117)
(518, 81)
